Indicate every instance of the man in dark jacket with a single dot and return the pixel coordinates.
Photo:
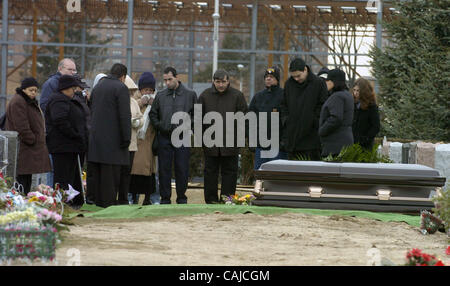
(109, 138)
(175, 98)
(66, 135)
(221, 98)
(267, 101)
(304, 95)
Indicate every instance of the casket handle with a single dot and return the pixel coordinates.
(384, 195)
(315, 192)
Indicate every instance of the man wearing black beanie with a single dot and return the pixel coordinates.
(304, 95)
(267, 101)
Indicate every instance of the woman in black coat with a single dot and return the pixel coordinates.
(366, 119)
(335, 124)
(66, 135)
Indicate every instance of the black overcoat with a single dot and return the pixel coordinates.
(336, 118)
(66, 125)
(110, 133)
(366, 125)
(300, 112)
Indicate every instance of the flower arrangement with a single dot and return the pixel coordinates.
(48, 217)
(416, 257)
(27, 215)
(239, 200)
(430, 223)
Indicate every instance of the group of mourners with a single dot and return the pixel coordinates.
(123, 130)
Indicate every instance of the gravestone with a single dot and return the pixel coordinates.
(13, 150)
(395, 151)
(425, 154)
(442, 161)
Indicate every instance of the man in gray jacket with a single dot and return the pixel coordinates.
(175, 98)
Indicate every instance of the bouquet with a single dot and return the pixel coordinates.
(238, 200)
(416, 257)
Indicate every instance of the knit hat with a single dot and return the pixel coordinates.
(67, 81)
(130, 83)
(336, 75)
(323, 72)
(27, 82)
(98, 78)
(273, 71)
(146, 80)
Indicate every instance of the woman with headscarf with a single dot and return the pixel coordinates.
(24, 116)
(366, 118)
(335, 124)
(143, 179)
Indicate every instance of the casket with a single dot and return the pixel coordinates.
(347, 186)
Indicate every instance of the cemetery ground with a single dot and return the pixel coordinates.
(243, 239)
(249, 239)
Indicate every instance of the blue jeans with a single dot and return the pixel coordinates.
(259, 161)
(50, 174)
(156, 197)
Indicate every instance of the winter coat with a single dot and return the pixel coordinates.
(266, 101)
(49, 87)
(336, 119)
(135, 114)
(87, 111)
(300, 113)
(65, 120)
(24, 116)
(110, 133)
(144, 162)
(366, 125)
(167, 102)
(231, 100)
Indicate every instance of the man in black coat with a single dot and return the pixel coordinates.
(304, 95)
(221, 98)
(175, 98)
(66, 135)
(109, 138)
(267, 101)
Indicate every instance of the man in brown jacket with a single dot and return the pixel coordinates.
(221, 98)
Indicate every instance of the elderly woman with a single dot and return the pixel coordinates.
(335, 124)
(67, 135)
(366, 119)
(24, 116)
(143, 178)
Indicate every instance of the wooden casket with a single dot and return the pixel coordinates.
(347, 186)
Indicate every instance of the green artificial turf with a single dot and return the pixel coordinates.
(137, 211)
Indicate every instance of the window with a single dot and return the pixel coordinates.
(26, 31)
(117, 36)
(118, 53)
(140, 37)
(12, 30)
(10, 63)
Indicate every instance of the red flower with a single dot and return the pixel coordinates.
(439, 263)
(448, 250)
(426, 257)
